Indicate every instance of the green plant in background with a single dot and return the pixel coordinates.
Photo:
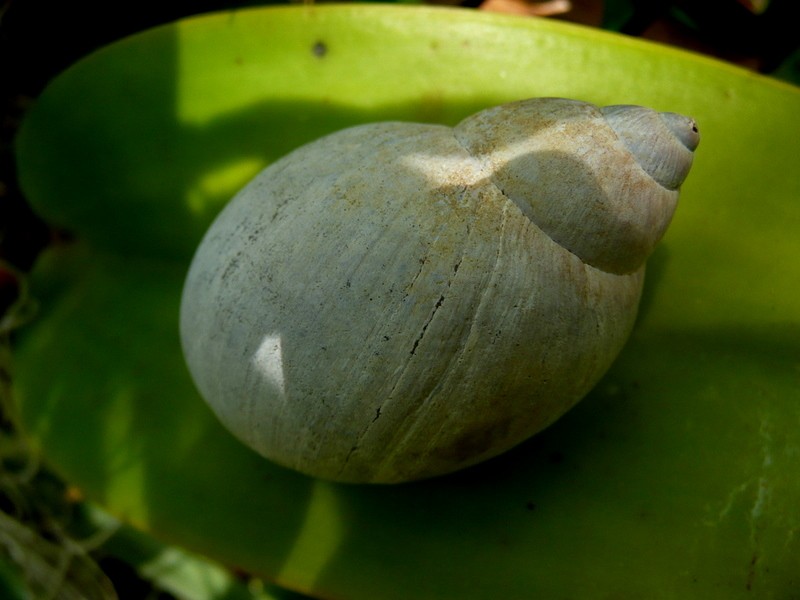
(674, 478)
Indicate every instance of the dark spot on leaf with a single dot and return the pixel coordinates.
(751, 572)
(319, 49)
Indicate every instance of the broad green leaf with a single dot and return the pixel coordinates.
(675, 477)
(180, 574)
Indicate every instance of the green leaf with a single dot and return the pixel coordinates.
(12, 586)
(169, 569)
(675, 477)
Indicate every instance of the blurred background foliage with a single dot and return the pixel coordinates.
(54, 545)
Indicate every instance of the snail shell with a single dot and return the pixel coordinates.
(397, 301)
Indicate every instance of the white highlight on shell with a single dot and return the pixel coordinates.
(268, 361)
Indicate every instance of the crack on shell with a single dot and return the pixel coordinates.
(436, 307)
(400, 443)
(378, 411)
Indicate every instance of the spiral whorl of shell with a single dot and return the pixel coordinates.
(603, 183)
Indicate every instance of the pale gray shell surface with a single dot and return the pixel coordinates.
(397, 301)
